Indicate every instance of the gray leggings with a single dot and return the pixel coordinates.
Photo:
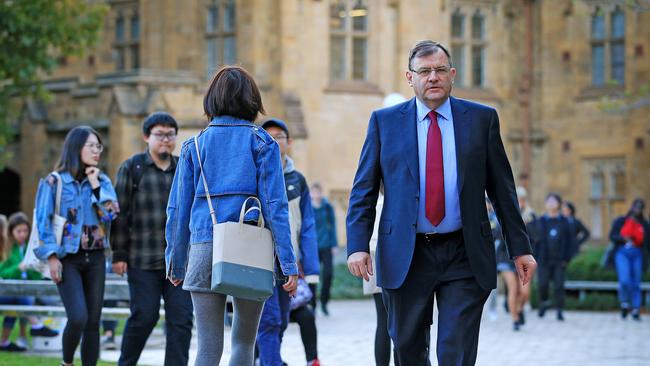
(209, 309)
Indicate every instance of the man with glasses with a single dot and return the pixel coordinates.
(277, 309)
(436, 156)
(138, 241)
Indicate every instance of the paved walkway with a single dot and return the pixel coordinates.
(586, 338)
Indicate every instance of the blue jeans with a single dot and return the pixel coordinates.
(628, 267)
(9, 321)
(145, 289)
(275, 318)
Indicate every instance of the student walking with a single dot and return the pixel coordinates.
(142, 186)
(77, 266)
(238, 160)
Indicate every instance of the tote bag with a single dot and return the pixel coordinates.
(242, 254)
(30, 261)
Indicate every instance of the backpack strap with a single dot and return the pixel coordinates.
(137, 170)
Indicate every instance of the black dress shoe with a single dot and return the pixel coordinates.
(560, 316)
(624, 312)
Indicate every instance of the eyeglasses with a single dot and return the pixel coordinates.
(425, 72)
(92, 145)
(279, 137)
(162, 136)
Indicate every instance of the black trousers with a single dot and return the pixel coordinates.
(382, 339)
(326, 274)
(82, 293)
(546, 273)
(440, 270)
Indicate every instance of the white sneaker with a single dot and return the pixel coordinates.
(22, 342)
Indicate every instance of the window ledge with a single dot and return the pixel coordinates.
(474, 93)
(597, 92)
(353, 86)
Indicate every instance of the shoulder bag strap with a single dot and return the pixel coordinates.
(59, 188)
(205, 183)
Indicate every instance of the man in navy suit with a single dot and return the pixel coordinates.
(436, 156)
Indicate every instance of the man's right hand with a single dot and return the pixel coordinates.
(120, 268)
(360, 265)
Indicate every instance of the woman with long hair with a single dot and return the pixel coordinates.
(77, 265)
(239, 160)
(631, 235)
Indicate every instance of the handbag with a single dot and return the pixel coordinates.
(242, 254)
(303, 295)
(30, 261)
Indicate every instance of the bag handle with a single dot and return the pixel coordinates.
(59, 189)
(244, 212)
(205, 182)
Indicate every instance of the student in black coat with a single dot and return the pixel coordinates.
(553, 252)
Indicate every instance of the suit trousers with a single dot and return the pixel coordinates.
(439, 270)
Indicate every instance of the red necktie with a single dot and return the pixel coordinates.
(435, 181)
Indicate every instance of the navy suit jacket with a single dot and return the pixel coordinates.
(390, 155)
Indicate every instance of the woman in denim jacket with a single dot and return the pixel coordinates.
(88, 203)
(239, 160)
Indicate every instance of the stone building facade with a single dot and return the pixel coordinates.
(324, 65)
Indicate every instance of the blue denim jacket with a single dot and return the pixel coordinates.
(239, 160)
(79, 206)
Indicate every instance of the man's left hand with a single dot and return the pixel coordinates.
(526, 266)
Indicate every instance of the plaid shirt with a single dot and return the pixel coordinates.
(138, 235)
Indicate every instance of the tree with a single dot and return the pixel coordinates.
(33, 35)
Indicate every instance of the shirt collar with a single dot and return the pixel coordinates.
(148, 160)
(443, 110)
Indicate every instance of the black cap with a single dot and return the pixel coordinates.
(273, 122)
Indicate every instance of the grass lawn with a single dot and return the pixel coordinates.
(17, 359)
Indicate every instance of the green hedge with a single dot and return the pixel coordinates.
(585, 267)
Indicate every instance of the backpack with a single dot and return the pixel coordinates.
(136, 170)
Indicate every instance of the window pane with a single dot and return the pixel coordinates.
(211, 56)
(337, 58)
(229, 50)
(229, 16)
(597, 186)
(458, 25)
(135, 57)
(119, 58)
(618, 62)
(135, 28)
(359, 17)
(119, 29)
(478, 23)
(477, 65)
(337, 16)
(597, 26)
(458, 59)
(598, 64)
(618, 24)
(359, 57)
(212, 22)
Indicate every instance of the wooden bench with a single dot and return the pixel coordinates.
(116, 288)
(602, 286)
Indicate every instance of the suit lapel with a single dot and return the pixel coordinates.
(461, 135)
(411, 139)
